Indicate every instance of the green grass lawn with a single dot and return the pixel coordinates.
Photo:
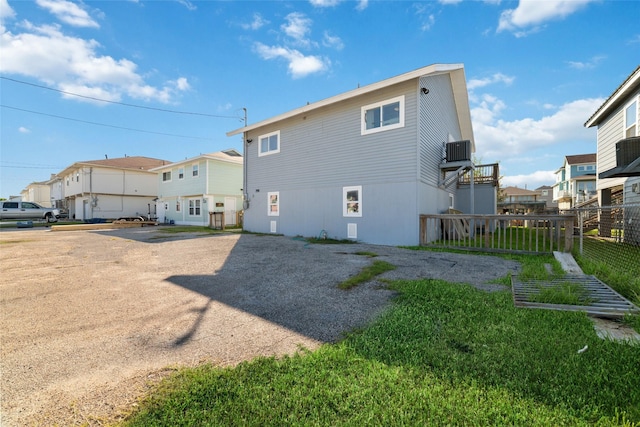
(443, 354)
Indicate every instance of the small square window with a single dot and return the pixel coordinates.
(269, 144)
(273, 199)
(352, 201)
(166, 176)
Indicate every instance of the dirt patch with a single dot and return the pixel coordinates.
(90, 319)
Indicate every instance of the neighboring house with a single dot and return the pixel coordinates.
(110, 188)
(38, 192)
(517, 200)
(188, 191)
(56, 190)
(618, 135)
(545, 193)
(575, 181)
(365, 164)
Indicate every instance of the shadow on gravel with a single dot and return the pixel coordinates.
(294, 284)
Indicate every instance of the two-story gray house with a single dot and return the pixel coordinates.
(365, 164)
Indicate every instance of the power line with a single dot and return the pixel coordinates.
(103, 124)
(120, 103)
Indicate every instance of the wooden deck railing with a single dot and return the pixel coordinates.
(498, 233)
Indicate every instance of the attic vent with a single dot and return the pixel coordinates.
(458, 151)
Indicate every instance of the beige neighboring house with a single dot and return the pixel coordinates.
(38, 192)
(618, 135)
(110, 188)
(189, 191)
(517, 200)
(545, 193)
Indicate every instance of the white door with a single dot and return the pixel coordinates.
(229, 211)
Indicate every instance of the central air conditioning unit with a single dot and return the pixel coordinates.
(458, 151)
(627, 150)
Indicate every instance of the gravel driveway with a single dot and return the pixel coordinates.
(90, 318)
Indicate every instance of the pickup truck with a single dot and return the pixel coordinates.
(27, 210)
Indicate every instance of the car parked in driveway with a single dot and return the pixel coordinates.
(27, 210)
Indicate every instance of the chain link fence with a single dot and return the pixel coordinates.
(607, 244)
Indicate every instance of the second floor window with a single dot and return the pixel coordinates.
(385, 115)
(631, 120)
(194, 170)
(180, 173)
(166, 176)
(269, 144)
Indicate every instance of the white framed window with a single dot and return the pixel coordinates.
(352, 201)
(451, 201)
(177, 205)
(166, 176)
(273, 202)
(269, 143)
(181, 173)
(194, 170)
(631, 120)
(381, 116)
(194, 207)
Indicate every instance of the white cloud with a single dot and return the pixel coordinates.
(495, 78)
(297, 27)
(69, 13)
(530, 181)
(5, 10)
(299, 64)
(73, 64)
(23, 129)
(362, 5)
(422, 13)
(256, 23)
(499, 139)
(324, 3)
(188, 4)
(531, 13)
(332, 41)
(592, 63)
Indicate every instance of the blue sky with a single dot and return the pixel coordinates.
(536, 70)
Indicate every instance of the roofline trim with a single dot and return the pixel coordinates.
(428, 70)
(616, 96)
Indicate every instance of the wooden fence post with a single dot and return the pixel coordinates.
(568, 234)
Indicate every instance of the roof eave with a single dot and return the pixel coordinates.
(428, 70)
(629, 85)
